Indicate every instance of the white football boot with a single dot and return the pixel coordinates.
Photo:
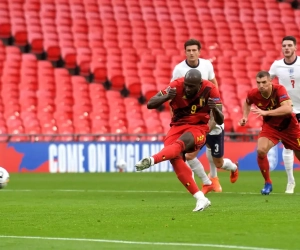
(202, 204)
(290, 188)
(144, 164)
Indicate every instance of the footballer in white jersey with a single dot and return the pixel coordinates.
(289, 76)
(215, 139)
(287, 70)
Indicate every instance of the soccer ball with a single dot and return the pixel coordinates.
(121, 165)
(4, 178)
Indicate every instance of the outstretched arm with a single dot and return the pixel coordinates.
(157, 100)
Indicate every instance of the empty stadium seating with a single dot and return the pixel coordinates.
(131, 47)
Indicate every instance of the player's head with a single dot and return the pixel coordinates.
(192, 82)
(192, 49)
(264, 83)
(289, 46)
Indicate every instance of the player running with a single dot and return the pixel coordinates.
(191, 99)
(288, 72)
(215, 138)
(279, 122)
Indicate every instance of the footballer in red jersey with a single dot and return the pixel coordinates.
(273, 103)
(192, 101)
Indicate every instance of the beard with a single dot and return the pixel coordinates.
(289, 54)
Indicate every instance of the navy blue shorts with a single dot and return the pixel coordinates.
(216, 143)
(298, 117)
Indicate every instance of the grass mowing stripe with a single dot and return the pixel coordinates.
(125, 191)
(138, 242)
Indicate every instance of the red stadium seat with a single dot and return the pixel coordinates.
(130, 47)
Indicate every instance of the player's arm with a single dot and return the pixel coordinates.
(246, 111)
(161, 97)
(211, 122)
(272, 70)
(211, 75)
(217, 112)
(215, 82)
(286, 108)
(176, 74)
(215, 105)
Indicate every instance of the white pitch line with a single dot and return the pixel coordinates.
(138, 242)
(128, 191)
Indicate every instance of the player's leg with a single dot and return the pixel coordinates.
(264, 144)
(297, 154)
(184, 174)
(216, 144)
(288, 160)
(188, 141)
(197, 167)
(213, 175)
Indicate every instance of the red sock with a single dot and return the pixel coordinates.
(169, 152)
(184, 174)
(263, 164)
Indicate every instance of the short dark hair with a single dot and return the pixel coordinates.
(290, 38)
(262, 74)
(192, 42)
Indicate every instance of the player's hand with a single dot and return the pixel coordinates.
(258, 111)
(243, 121)
(211, 103)
(171, 92)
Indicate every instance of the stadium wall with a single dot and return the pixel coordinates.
(81, 157)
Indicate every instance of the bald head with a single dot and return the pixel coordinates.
(192, 82)
(193, 75)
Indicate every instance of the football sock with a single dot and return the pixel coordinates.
(198, 169)
(199, 195)
(169, 152)
(229, 165)
(212, 166)
(184, 174)
(263, 164)
(288, 159)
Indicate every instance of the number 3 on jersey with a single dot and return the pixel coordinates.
(293, 83)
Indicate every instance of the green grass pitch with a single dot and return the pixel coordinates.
(145, 211)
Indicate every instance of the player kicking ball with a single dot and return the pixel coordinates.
(191, 99)
(279, 122)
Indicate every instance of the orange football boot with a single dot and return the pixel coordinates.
(216, 184)
(207, 188)
(234, 175)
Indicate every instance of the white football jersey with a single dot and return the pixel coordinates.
(204, 66)
(289, 76)
(207, 71)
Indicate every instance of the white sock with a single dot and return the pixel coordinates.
(229, 165)
(152, 161)
(212, 166)
(199, 195)
(198, 169)
(288, 159)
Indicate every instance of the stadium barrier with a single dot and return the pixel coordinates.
(250, 136)
(111, 156)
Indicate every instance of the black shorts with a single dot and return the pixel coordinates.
(216, 143)
(298, 117)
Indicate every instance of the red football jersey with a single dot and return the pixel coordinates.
(192, 111)
(278, 95)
